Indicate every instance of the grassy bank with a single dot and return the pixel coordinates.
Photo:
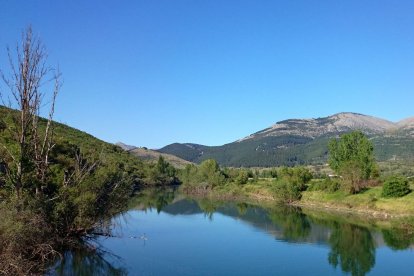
(368, 203)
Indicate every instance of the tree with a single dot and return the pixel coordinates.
(209, 171)
(27, 157)
(352, 156)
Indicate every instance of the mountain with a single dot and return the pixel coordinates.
(304, 141)
(151, 155)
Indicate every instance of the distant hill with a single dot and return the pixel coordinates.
(304, 141)
(151, 155)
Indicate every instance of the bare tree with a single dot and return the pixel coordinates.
(27, 83)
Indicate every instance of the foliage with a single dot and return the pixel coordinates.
(288, 150)
(161, 173)
(268, 173)
(88, 180)
(242, 177)
(205, 176)
(25, 236)
(327, 185)
(288, 191)
(395, 186)
(352, 157)
(297, 175)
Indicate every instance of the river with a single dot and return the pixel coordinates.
(166, 233)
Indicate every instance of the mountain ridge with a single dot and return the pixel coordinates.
(303, 141)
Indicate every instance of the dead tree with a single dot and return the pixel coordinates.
(26, 84)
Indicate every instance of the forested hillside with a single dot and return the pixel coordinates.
(298, 142)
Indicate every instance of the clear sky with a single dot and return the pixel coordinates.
(154, 72)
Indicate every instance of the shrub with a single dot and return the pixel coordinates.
(326, 185)
(242, 178)
(288, 191)
(395, 186)
(299, 175)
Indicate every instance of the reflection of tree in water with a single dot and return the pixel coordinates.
(208, 207)
(294, 223)
(242, 208)
(85, 262)
(398, 239)
(353, 249)
(154, 198)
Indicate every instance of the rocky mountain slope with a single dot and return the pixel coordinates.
(304, 141)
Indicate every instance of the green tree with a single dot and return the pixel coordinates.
(209, 171)
(352, 156)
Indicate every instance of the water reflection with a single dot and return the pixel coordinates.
(295, 225)
(398, 239)
(156, 198)
(85, 261)
(351, 247)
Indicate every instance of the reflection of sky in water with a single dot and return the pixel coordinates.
(195, 245)
(235, 239)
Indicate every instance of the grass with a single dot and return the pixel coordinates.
(369, 200)
(366, 203)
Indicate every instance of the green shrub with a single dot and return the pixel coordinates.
(395, 186)
(242, 178)
(288, 191)
(327, 185)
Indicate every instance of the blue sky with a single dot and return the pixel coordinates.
(150, 73)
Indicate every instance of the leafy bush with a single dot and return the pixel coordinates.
(326, 185)
(207, 175)
(288, 191)
(242, 177)
(298, 176)
(395, 186)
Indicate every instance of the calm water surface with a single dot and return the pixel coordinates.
(167, 234)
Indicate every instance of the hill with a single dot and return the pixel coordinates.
(152, 155)
(68, 140)
(304, 141)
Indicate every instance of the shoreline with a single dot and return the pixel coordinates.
(320, 206)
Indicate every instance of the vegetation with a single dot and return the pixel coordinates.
(286, 184)
(352, 157)
(57, 184)
(395, 186)
(327, 185)
(289, 150)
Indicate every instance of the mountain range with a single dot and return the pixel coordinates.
(303, 141)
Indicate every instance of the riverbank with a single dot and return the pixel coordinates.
(368, 203)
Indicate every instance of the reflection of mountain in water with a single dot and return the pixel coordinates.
(284, 223)
(352, 247)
